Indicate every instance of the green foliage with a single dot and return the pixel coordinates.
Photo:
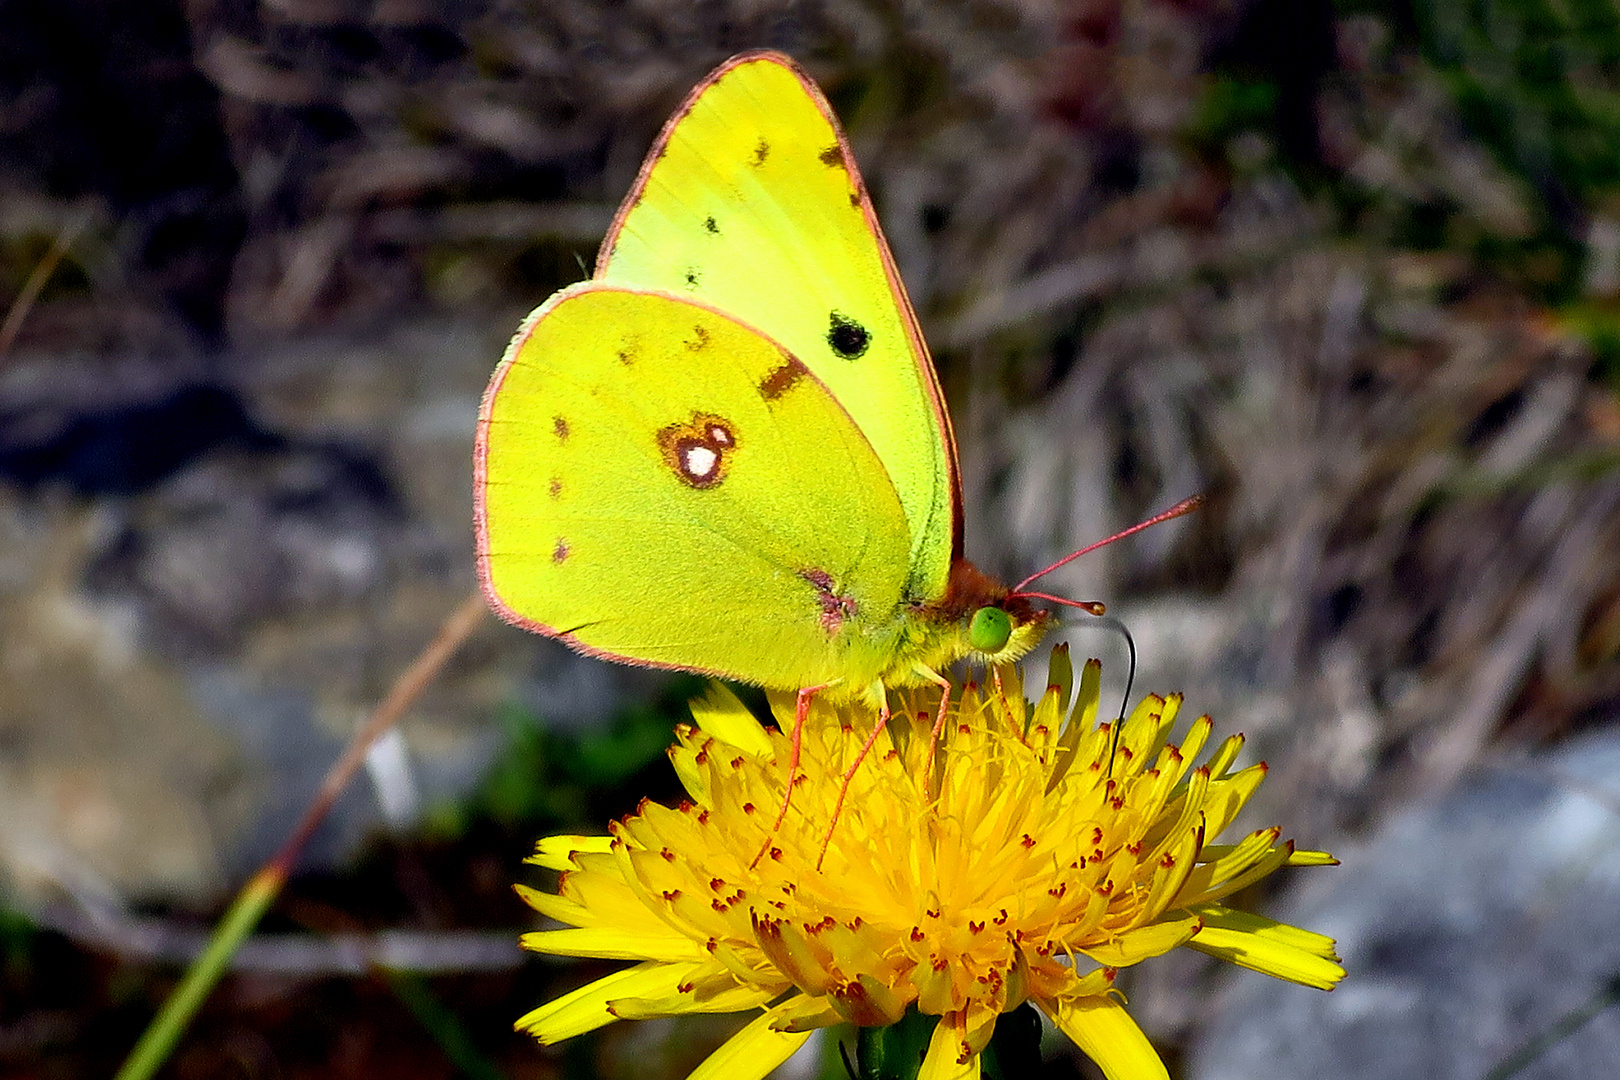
(1539, 82)
(1231, 104)
(17, 933)
(1599, 325)
(546, 778)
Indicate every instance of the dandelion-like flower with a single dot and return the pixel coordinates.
(1029, 860)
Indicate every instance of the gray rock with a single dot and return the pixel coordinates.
(1470, 928)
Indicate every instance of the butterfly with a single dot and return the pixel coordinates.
(727, 452)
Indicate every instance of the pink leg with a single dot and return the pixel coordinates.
(801, 709)
(944, 685)
(849, 775)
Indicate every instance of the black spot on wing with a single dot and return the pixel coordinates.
(847, 337)
(692, 277)
(711, 225)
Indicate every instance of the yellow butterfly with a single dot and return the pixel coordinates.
(727, 452)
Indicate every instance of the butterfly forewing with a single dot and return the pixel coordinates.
(751, 204)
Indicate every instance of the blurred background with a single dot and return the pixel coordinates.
(1352, 269)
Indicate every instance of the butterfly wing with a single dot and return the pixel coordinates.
(751, 203)
(659, 483)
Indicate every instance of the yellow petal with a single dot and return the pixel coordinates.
(1102, 1028)
(1232, 866)
(1269, 947)
(1227, 795)
(595, 899)
(734, 999)
(1312, 858)
(806, 1013)
(609, 943)
(943, 1060)
(560, 908)
(557, 852)
(753, 1051)
(1139, 944)
(720, 714)
(586, 1009)
(1081, 719)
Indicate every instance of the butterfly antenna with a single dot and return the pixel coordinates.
(1185, 506)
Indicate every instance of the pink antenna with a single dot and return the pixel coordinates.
(1185, 506)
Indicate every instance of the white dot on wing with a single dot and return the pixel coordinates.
(700, 461)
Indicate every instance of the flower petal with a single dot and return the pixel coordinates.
(610, 943)
(1139, 944)
(753, 1051)
(1269, 947)
(722, 715)
(944, 1058)
(557, 852)
(733, 999)
(586, 1009)
(1102, 1028)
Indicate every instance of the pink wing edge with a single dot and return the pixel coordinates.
(897, 288)
(481, 472)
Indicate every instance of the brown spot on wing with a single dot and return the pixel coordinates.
(832, 157)
(762, 150)
(556, 487)
(781, 379)
(699, 451)
(699, 339)
(560, 426)
(560, 552)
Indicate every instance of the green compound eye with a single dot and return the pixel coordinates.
(990, 629)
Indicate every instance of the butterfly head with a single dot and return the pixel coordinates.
(992, 624)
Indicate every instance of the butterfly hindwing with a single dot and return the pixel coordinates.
(751, 204)
(660, 483)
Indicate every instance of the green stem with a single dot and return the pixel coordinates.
(158, 1040)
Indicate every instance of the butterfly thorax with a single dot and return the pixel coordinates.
(932, 635)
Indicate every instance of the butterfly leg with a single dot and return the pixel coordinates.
(944, 685)
(801, 709)
(849, 773)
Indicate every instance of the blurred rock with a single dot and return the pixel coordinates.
(182, 662)
(1470, 928)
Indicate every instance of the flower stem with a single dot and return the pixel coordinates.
(894, 1052)
(157, 1041)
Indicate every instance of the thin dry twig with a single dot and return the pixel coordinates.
(29, 294)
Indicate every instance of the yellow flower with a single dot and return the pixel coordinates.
(1032, 861)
